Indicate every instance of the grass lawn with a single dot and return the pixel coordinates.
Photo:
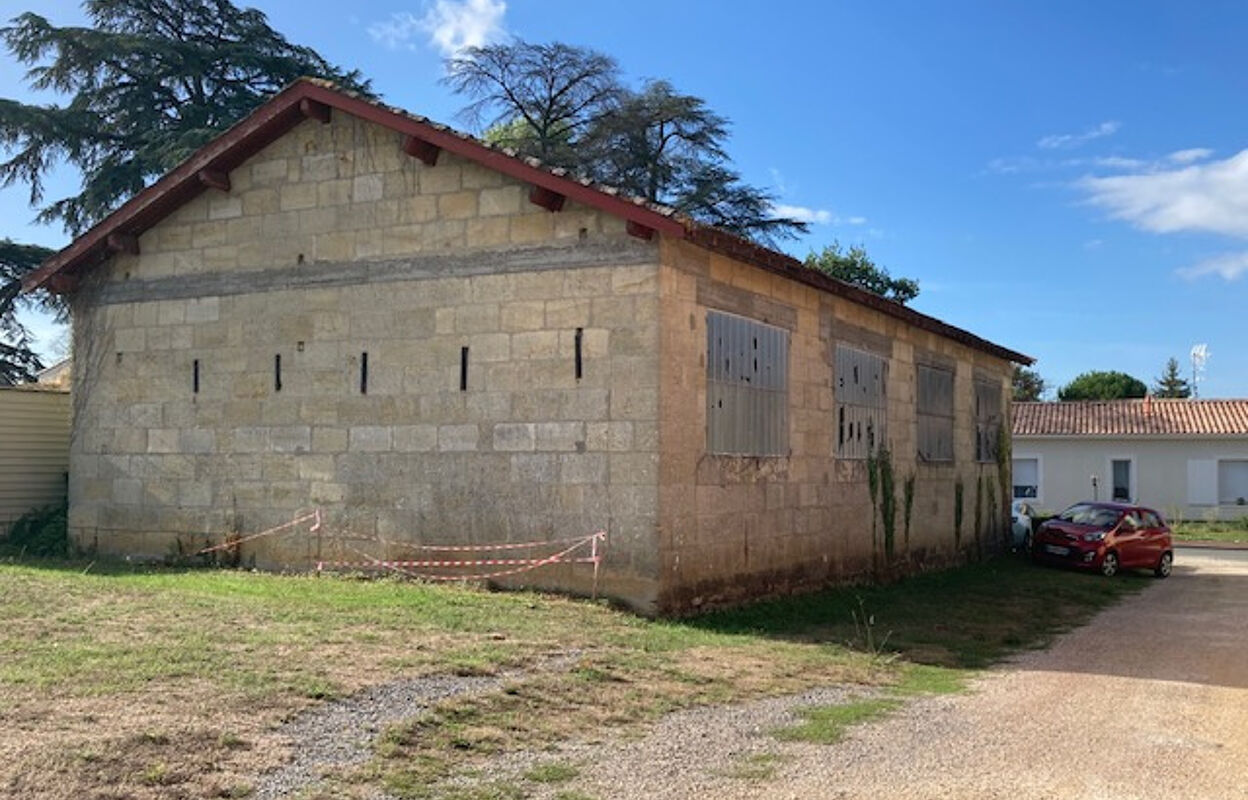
(1235, 531)
(118, 681)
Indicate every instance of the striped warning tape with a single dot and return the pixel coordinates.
(516, 565)
(314, 518)
(521, 565)
(486, 562)
(459, 548)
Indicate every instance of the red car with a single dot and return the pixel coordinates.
(1107, 537)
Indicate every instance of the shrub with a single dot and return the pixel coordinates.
(41, 532)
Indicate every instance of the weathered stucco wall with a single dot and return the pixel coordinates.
(734, 527)
(332, 243)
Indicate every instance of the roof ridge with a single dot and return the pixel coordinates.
(308, 97)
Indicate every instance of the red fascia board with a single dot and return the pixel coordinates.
(284, 111)
(176, 188)
(275, 118)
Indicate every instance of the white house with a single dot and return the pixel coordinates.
(1186, 458)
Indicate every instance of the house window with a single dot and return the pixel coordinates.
(935, 412)
(1120, 474)
(1233, 482)
(747, 380)
(1026, 478)
(987, 420)
(861, 403)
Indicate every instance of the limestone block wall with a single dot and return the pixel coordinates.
(332, 246)
(734, 527)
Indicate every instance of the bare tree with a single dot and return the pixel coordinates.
(536, 98)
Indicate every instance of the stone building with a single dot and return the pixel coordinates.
(339, 305)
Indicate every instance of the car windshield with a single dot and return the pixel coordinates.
(1095, 516)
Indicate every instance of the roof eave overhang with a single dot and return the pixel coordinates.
(273, 119)
(744, 250)
(308, 99)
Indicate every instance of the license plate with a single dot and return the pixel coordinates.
(1057, 551)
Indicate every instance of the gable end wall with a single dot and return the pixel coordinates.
(332, 243)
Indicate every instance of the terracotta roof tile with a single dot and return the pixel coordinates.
(1147, 417)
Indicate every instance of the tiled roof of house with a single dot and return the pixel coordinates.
(1147, 417)
(310, 98)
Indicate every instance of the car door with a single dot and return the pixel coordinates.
(1153, 536)
(1130, 539)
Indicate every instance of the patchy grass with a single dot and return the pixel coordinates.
(1232, 531)
(944, 626)
(827, 724)
(152, 681)
(553, 772)
(757, 767)
(965, 618)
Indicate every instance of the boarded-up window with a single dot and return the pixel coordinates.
(935, 412)
(747, 380)
(987, 420)
(861, 403)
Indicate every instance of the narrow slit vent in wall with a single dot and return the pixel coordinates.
(580, 334)
(277, 372)
(195, 376)
(463, 369)
(364, 372)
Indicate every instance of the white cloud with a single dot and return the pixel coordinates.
(396, 32)
(1058, 141)
(1110, 162)
(1190, 155)
(450, 25)
(815, 216)
(1211, 197)
(1230, 266)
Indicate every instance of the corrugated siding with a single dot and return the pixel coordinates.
(34, 450)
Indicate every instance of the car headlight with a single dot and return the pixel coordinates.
(1094, 537)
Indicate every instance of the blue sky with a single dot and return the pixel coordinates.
(1068, 179)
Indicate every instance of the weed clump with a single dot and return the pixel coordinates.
(41, 532)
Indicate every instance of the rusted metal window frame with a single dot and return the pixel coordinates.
(861, 391)
(747, 386)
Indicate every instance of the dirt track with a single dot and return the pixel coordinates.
(1150, 700)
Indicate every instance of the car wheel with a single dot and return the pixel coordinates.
(1165, 565)
(1109, 567)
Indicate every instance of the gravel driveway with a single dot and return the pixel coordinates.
(1149, 700)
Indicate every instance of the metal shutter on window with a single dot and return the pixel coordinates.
(747, 386)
